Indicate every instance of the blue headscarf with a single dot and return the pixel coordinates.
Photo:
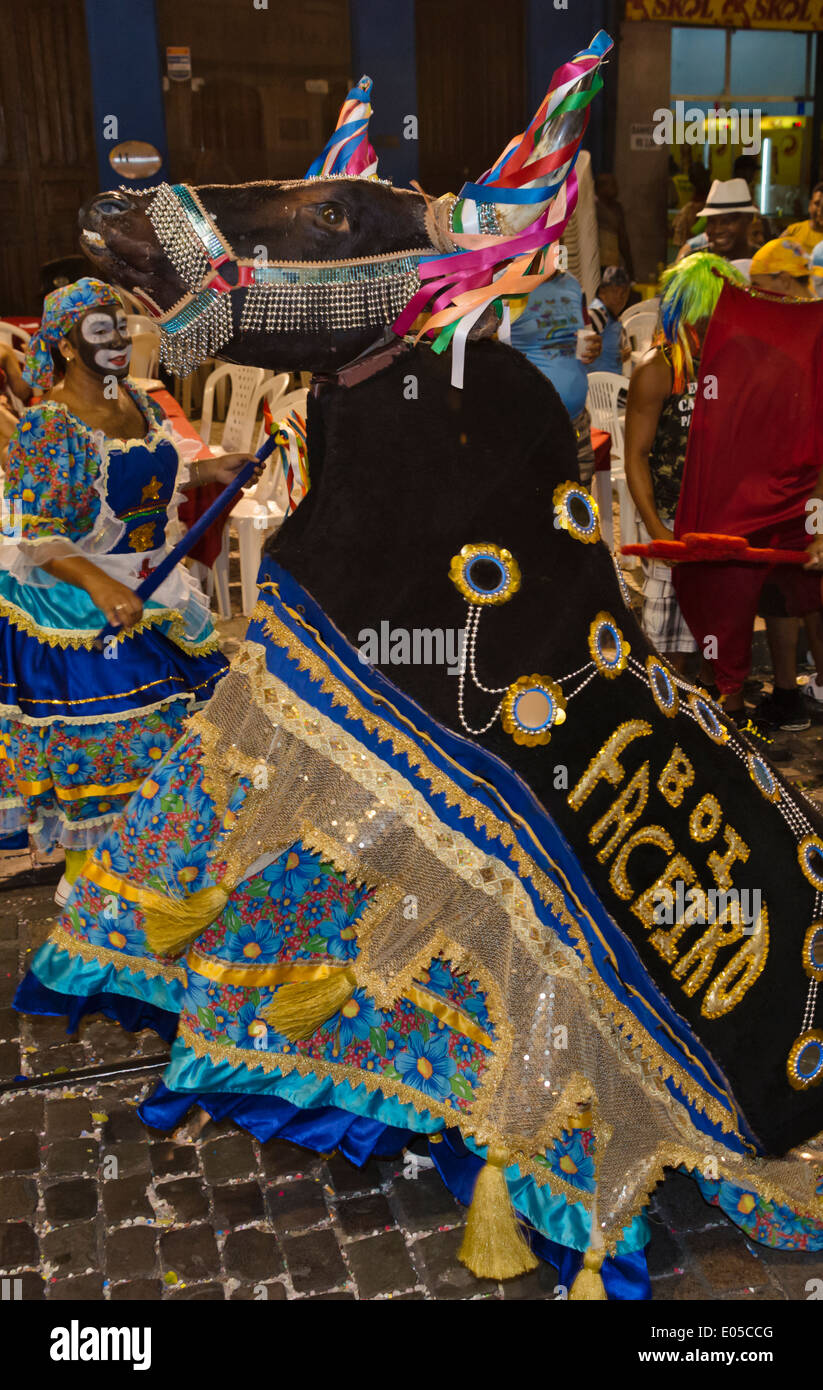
(62, 309)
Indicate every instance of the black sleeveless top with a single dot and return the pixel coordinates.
(667, 455)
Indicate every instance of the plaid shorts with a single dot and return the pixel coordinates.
(663, 622)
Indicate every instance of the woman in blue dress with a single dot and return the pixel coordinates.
(92, 487)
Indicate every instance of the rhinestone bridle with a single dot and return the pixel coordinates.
(280, 296)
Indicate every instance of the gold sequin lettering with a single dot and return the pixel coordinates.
(677, 775)
(604, 765)
(706, 818)
(622, 813)
(720, 864)
(723, 931)
(727, 989)
(646, 835)
(678, 872)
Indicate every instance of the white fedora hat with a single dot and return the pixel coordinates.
(728, 195)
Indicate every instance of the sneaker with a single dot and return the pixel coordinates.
(813, 691)
(759, 736)
(786, 712)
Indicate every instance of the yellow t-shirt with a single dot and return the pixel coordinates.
(804, 233)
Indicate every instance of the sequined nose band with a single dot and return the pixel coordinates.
(280, 296)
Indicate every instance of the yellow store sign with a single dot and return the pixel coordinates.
(732, 14)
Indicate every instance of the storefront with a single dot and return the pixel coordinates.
(739, 79)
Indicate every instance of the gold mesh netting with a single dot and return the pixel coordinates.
(562, 1044)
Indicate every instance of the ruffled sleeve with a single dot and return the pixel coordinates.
(50, 501)
(50, 477)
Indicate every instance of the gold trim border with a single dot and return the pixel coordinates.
(622, 1017)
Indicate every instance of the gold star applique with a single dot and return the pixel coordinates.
(151, 491)
(142, 537)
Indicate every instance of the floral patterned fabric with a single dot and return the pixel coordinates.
(65, 778)
(767, 1222)
(53, 461)
(297, 908)
(61, 776)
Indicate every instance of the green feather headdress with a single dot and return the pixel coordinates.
(690, 291)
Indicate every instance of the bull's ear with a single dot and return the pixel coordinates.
(505, 200)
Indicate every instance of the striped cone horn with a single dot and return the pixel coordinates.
(347, 152)
(505, 201)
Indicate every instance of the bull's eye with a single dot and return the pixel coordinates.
(333, 214)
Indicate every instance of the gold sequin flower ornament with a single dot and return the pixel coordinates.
(608, 646)
(484, 573)
(531, 708)
(575, 511)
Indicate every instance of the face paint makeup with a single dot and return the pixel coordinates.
(103, 341)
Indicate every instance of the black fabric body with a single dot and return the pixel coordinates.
(405, 470)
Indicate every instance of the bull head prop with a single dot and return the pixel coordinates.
(297, 262)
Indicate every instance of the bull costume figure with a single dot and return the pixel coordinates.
(547, 907)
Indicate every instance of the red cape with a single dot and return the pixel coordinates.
(756, 440)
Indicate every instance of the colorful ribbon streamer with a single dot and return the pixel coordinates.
(455, 289)
(290, 438)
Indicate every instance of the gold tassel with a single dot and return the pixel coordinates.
(299, 1009)
(588, 1286)
(172, 925)
(493, 1245)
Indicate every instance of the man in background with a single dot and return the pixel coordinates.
(729, 213)
(547, 333)
(783, 268)
(810, 232)
(604, 313)
(689, 223)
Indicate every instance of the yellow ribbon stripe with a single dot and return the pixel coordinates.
(448, 1014)
(265, 976)
(113, 883)
(258, 976)
(95, 789)
(33, 788)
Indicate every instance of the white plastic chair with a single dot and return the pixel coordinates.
(604, 390)
(640, 322)
(642, 307)
(15, 337)
(249, 387)
(145, 356)
(241, 417)
(263, 508)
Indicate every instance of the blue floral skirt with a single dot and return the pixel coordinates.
(81, 729)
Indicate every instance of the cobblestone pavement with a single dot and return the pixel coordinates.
(95, 1206)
